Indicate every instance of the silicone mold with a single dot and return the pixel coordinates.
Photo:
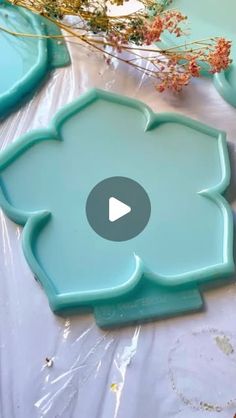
(47, 175)
(207, 20)
(26, 60)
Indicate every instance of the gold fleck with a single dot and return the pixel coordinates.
(114, 387)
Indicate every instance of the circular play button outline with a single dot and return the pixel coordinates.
(118, 208)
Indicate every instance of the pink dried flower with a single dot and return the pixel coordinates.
(174, 81)
(219, 59)
(181, 68)
(194, 68)
(154, 31)
(170, 21)
(117, 41)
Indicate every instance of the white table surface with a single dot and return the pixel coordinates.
(183, 367)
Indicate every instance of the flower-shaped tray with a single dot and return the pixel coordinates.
(46, 178)
(25, 60)
(208, 18)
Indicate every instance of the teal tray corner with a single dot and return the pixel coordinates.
(47, 175)
(206, 20)
(57, 50)
(27, 60)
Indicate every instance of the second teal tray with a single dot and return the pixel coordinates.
(25, 60)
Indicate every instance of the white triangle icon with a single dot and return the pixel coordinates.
(117, 209)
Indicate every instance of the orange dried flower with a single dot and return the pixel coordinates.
(174, 81)
(169, 21)
(127, 38)
(219, 59)
(194, 68)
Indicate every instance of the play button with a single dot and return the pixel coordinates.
(118, 208)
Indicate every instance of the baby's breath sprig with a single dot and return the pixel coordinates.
(132, 37)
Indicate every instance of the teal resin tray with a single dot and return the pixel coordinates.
(25, 60)
(207, 19)
(47, 178)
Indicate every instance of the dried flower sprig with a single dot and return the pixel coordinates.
(132, 37)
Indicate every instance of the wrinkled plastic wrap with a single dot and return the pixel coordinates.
(181, 367)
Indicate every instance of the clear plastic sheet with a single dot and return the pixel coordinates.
(52, 367)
